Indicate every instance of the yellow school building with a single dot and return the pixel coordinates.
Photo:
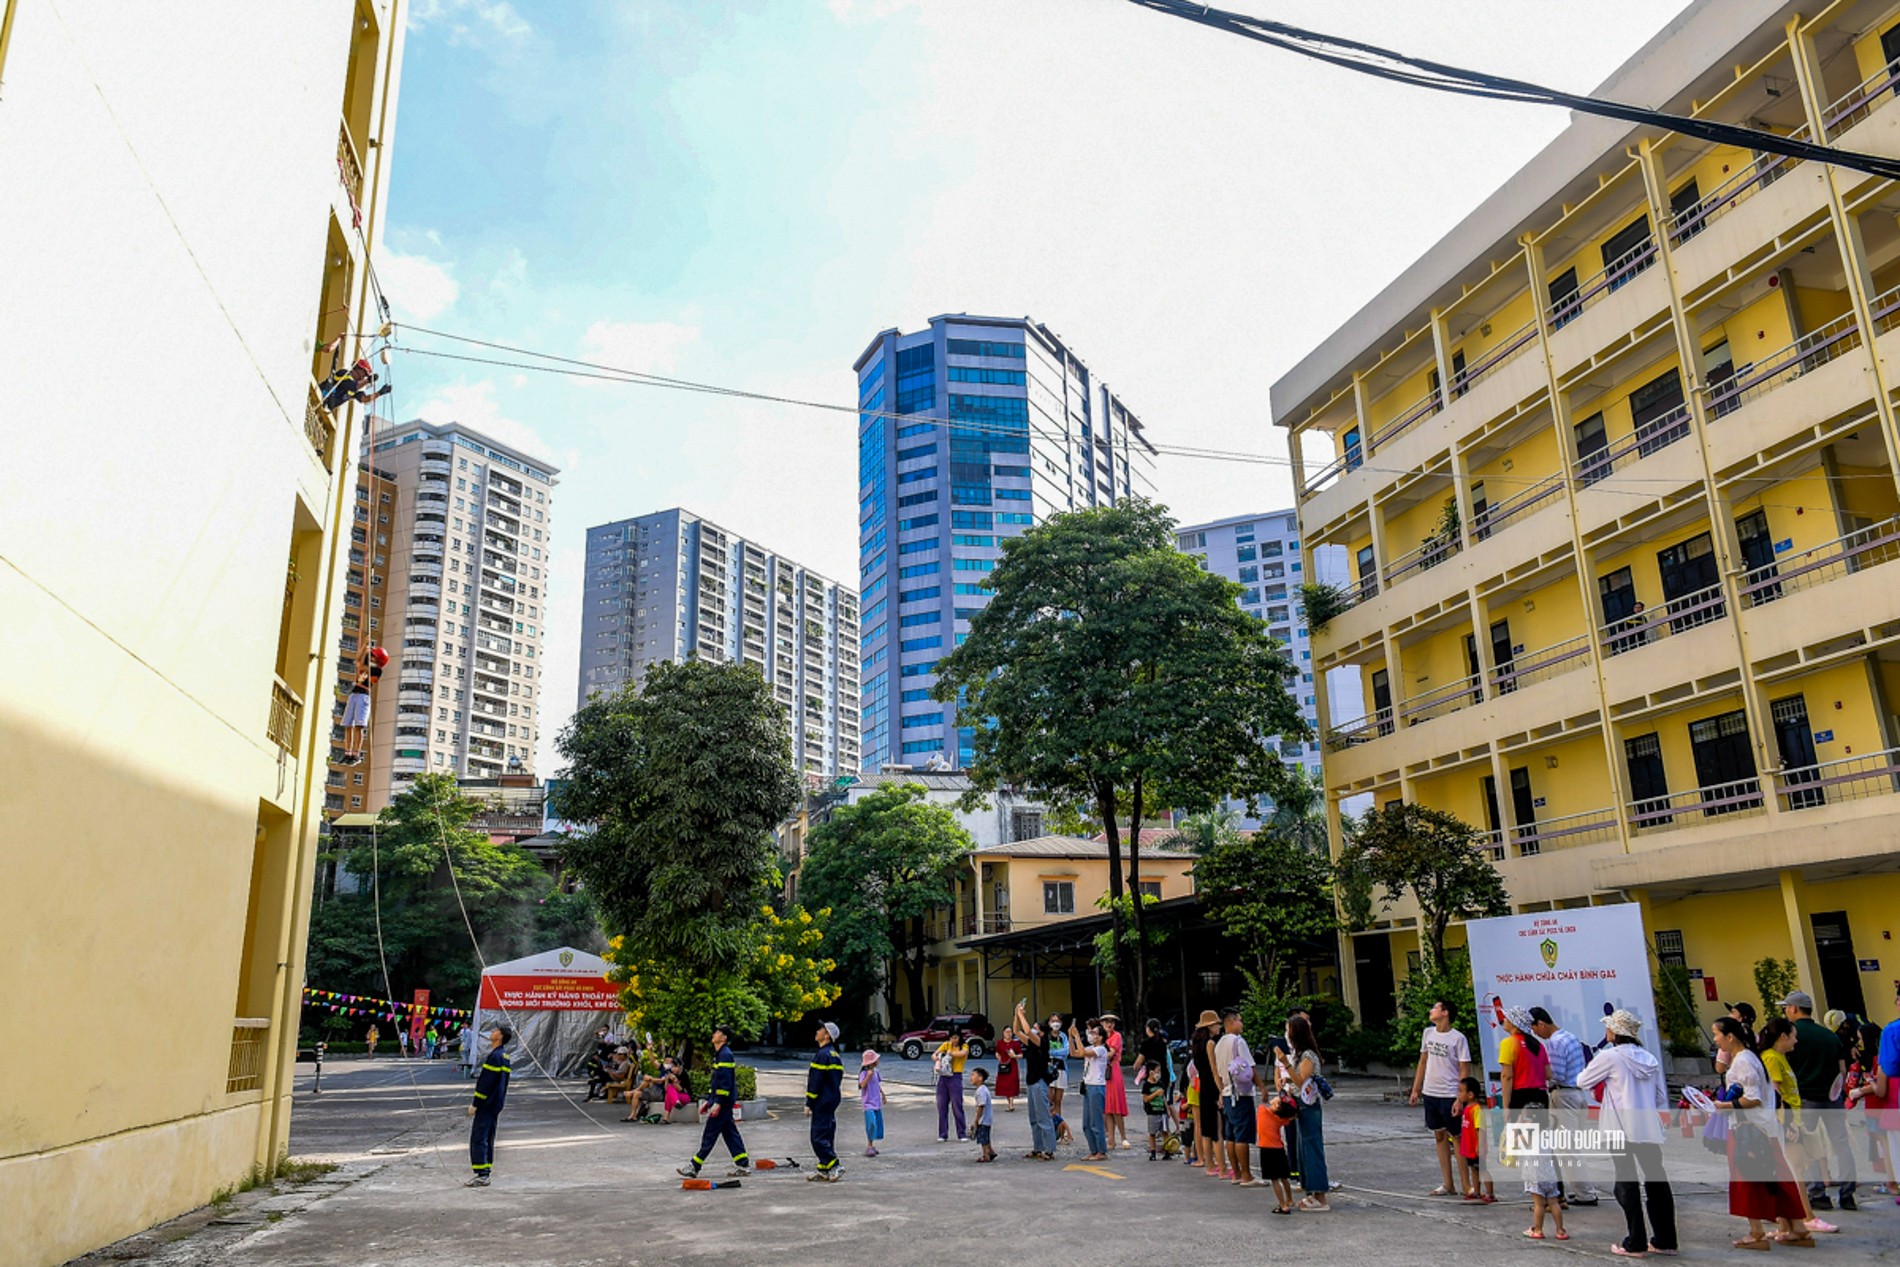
(194, 192)
(1616, 465)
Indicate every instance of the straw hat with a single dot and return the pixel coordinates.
(1208, 1017)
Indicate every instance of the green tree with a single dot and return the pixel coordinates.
(569, 919)
(1435, 857)
(681, 784)
(1111, 669)
(882, 866)
(1773, 979)
(1299, 812)
(408, 910)
(1269, 894)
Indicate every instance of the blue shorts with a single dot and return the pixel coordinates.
(356, 710)
(1441, 1113)
(1240, 1119)
(982, 1135)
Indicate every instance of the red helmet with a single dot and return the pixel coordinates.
(380, 656)
(362, 368)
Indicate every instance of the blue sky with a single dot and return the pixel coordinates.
(745, 193)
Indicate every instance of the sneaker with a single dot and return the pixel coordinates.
(822, 1176)
(479, 1181)
(738, 1172)
(870, 1152)
(1583, 1201)
(1820, 1225)
(1848, 1202)
(689, 1170)
(1820, 1201)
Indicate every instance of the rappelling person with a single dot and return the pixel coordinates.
(721, 1099)
(340, 386)
(369, 669)
(823, 1090)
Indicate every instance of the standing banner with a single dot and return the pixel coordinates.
(418, 1020)
(1579, 965)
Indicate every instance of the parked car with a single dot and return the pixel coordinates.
(913, 1043)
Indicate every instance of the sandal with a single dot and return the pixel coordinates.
(1797, 1242)
(1562, 1235)
(1754, 1242)
(1533, 1234)
(1440, 1191)
(1616, 1247)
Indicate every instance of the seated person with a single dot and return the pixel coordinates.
(621, 1074)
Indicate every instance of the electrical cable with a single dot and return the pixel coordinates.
(1385, 63)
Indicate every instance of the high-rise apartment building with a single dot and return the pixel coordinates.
(175, 512)
(671, 585)
(1616, 464)
(459, 530)
(970, 431)
(1261, 553)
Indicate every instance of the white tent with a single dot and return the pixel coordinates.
(554, 1001)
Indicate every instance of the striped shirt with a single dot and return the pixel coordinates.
(1566, 1058)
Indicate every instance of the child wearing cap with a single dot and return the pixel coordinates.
(871, 1098)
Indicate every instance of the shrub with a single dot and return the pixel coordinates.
(1450, 980)
(1263, 1015)
(699, 1082)
(1321, 602)
(1773, 979)
(1676, 1014)
(1364, 1046)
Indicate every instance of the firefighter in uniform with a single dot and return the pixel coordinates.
(823, 1090)
(718, 1111)
(491, 1092)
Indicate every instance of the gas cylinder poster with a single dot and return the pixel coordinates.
(1579, 965)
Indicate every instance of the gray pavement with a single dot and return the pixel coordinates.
(575, 1187)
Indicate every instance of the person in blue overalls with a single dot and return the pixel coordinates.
(721, 1099)
(491, 1092)
(823, 1090)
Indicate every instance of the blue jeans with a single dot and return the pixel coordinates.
(873, 1125)
(1042, 1127)
(1313, 1177)
(1094, 1122)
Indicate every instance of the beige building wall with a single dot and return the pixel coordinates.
(1616, 462)
(192, 192)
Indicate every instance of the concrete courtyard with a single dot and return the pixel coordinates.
(574, 1187)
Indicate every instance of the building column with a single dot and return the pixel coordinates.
(1461, 492)
(1360, 414)
(1481, 639)
(1441, 355)
(1794, 902)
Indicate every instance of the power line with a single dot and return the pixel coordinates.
(1385, 63)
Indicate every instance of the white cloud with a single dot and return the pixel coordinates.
(474, 405)
(466, 19)
(652, 347)
(418, 287)
(855, 11)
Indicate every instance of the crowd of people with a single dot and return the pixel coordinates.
(1253, 1113)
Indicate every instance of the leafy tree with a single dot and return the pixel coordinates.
(1269, 894)
(1773, 979)
(1206, 831)
(1429, 853)
(569, 919)
(681, 785)
(408, 911)
(1299, 811)
(1676, 1012)
(1107, 945)
(882, 866)
(1446, 977)
(1111, 669)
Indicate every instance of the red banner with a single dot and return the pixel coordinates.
(418, 1019)
(550, 994)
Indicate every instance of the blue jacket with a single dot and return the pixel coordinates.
(825, 1082)
(491, 1084)
(725, 1078)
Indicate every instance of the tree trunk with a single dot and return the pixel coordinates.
(1137, 1003)
(1105, 804)
(914, 971)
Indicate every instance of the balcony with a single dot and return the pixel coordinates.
(286, 711)
(1652, 436)
(349, 170)
(250, 1039)
(1612, 308)
(435, 466)
(1682, 809)
(1432, 402)
(1849, 779)
(1805, 355)
(408, 697)
(1568, 832)
(433, 571)
(1863, 548)
(319, 427)
(1427, 555)
(1860, 103)
(1679, 615)
(416, 677)
(1532, 667)
(1360, 730)
(1441, 700)
(425, 592)
(1538, 495)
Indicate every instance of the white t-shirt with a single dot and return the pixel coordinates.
(984, 1114)
(1445, 1055)
(1095, 1066)
(1747, 1072)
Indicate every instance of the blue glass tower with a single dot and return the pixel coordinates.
(969, 432)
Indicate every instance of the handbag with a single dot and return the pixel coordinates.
(1325, 1087)
(943, 1066)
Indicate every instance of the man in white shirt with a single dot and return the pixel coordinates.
(1444, 1060)
(1233, 1072)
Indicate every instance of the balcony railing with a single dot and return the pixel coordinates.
(1613, 277)
(1849, 779)
(1427, 554)
(1652, 437)
(1754, 176)
(416, 677)
(250, 1037)
(1514, 342)
(1493, 517)
(1566, 832)
(1431, 404)
(1438, 701)
(1679, 615)
(319, 428)
(1541, 665)
(1805, 355)
(1681, 809)
(1863, 548)
(349, 169)
(1859, 101)
(1360, 730)
(286, 711)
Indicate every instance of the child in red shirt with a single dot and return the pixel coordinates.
(1270, 1119)
(1470, 1107)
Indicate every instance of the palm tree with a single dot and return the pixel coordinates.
(1299, 812)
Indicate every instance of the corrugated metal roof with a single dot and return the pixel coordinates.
(1068, 847)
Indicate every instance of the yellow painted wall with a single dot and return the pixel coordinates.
(1408, 529)
(1588, 259)
(1522, 465)
(1818, 307)
(1840, 701)
(1579, 783)
(1868, 55)
(1433, 663)
(1867, 490)
(1502, 303)
(1546, 616)
(1614, 404)
(1409, 392)
(1763, 328)
(1713, 170)
(1459, 791)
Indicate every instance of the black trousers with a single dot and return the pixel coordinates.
(721, 1126)
(824, 1137)
(481, 1141)
(1630, 1196)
